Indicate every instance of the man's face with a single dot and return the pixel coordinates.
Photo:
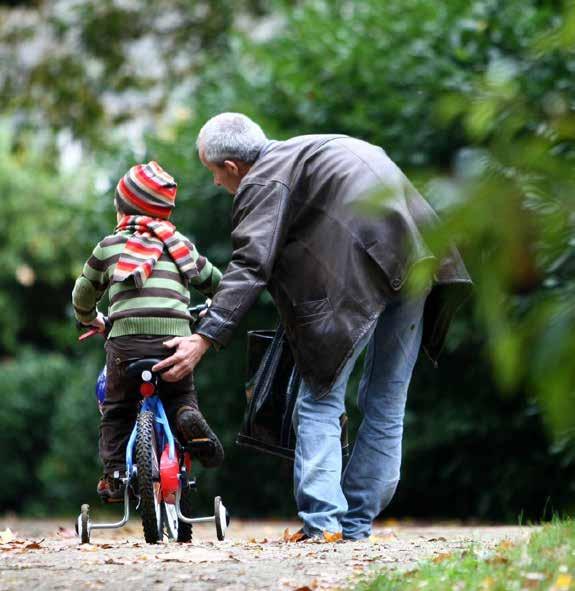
(227, 175)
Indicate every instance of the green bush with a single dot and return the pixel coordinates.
(30, 387)
(71, 468)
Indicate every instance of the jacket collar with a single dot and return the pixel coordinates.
(264, 150)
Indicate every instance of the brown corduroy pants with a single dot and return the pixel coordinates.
(122, 395)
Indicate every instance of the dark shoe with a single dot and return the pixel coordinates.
(197, 435)
(110, 490)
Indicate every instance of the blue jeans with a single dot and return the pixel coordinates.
(326, 499)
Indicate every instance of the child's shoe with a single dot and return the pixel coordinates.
(192, 425)
(110, 490)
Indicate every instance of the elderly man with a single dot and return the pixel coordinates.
(338, 278)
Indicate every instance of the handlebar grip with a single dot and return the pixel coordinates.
(88, 334)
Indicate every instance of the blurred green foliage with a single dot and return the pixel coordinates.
(474, 100)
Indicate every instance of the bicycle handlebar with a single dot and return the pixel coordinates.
(197, 309)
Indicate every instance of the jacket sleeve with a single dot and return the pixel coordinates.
(90, 287)
(259, 228)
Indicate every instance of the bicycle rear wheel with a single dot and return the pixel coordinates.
(148, 463)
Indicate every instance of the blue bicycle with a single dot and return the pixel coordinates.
(158, 467)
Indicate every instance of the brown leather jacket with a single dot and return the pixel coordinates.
(304, 226)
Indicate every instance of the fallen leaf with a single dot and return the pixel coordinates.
(440, 539)
(33, 545)
(335, 537)
(498, 559)
(505, 545)
(487, 584)
(299, 535)
(7, 536)
(562, 583)
(118, 561)
(442, 557)
(286, 535)
(194, 555)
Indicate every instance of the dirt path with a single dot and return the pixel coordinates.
(46, 555)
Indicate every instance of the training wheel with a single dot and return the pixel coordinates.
(83, 524)
(222, 518)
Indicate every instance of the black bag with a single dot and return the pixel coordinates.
(271, 391)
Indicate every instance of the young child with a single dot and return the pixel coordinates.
(147, 266)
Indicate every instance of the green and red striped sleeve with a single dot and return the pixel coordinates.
(90, 286)
(209, 276)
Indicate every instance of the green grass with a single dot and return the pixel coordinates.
(545, 562)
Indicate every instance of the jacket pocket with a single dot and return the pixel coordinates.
(391, 262)
(311, 311)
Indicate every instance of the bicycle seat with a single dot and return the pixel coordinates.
(135, 369)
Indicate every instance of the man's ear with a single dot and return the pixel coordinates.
(231, 167)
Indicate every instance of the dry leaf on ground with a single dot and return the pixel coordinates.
(335, 537)
(194, 555)
(296, 537)
(442, 557)
(118, 561)
(505, 545)
(562, 583)
(497, 559)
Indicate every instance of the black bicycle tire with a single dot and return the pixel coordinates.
(145, 448)
(185, 529)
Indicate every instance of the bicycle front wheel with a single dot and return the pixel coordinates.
(148, 464)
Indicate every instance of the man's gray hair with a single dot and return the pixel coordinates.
(231, 136)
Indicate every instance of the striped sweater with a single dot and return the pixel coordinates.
(159, 308)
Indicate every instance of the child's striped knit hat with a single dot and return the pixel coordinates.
(147, 189)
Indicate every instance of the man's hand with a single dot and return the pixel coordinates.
(189, 351)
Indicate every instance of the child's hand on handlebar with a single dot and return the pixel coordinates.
(99, 323)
